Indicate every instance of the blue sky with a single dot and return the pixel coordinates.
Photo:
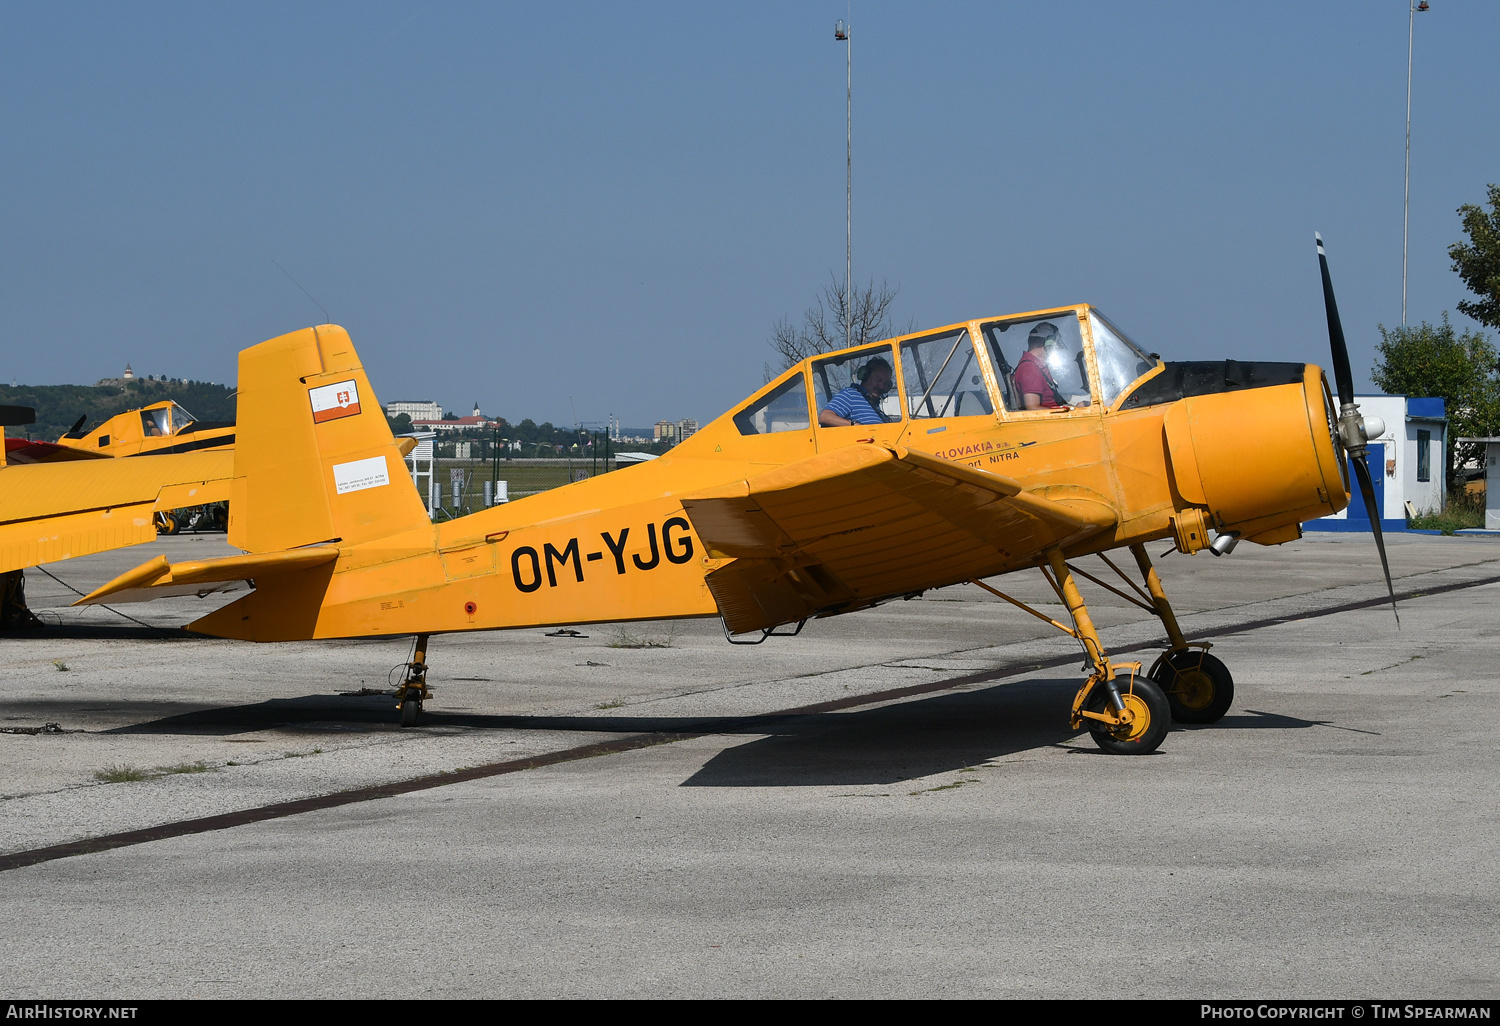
(543, 207)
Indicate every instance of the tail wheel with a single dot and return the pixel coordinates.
(1150, 718)
(409, 710)
(1198, 686)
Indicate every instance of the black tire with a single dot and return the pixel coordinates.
(166, 523)
(409, 710)
(1198, 687)
(1145, 734)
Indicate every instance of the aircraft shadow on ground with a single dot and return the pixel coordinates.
(885, 745)
(102, 632)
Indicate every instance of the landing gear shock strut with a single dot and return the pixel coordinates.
(1199, 687)
(1131, 720)
(413, 690)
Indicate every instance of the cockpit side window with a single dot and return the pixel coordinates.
(857, 388)
(784, 408)
(1040, 357)
(941, 377)
(155, 423)
(1121, 361)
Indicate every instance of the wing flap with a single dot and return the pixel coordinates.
(851, 527)
(161, 579)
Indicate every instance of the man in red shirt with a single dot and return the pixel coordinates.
(1033, 377)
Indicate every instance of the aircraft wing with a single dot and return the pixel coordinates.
(52, 511)
(847, 528)
(21, 450)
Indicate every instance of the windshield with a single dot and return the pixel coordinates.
(1121, 361)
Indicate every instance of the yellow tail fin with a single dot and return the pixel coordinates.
(314, 458)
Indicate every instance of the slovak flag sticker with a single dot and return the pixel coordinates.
(330, 402)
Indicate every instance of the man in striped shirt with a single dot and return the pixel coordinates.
(860, 403)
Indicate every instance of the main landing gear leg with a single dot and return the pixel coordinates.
(413, 690)
(13, 612)
(1123, 721)
(1198, 686)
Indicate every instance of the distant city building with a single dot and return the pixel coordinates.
(457, 424)
(674, 430)
(423, 409)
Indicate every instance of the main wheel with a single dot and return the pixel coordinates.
(166, 523)
(1149, 726)
(1199, 688)
(409, 710)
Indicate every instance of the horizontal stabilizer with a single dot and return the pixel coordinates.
(161, 579)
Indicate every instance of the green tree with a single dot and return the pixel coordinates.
(1478, 260)
(1459, 368)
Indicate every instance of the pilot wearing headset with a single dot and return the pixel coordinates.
(860, 403)
(1033, 377)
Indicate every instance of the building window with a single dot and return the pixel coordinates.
(1424, 455)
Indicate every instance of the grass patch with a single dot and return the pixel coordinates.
(187, 767)
(609, 705)
(121, 774)
(1464, 510)
(625, 638)
(61, 666)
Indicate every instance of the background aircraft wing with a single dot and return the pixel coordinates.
(52, 511)
(847, 528)
(22, 450)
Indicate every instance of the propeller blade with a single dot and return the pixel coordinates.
(1341, 372)
(1367, 487)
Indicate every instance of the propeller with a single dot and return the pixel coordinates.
(1355, 431)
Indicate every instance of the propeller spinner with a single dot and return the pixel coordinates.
(1355, 431)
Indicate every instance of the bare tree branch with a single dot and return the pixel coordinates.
(822, 329)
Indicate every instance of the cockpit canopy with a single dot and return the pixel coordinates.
(1062, 359)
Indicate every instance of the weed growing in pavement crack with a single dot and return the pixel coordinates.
(61, 666)
(188, 767)
(120, 774)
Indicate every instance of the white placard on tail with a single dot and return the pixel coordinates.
(361, 474)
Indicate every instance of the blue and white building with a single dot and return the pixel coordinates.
(1406, 464)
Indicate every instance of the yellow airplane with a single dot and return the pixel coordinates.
(57, 502)
(975, 450)
(158, 429)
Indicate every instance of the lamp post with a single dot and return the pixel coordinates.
(841, 34)
(1411, 22)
